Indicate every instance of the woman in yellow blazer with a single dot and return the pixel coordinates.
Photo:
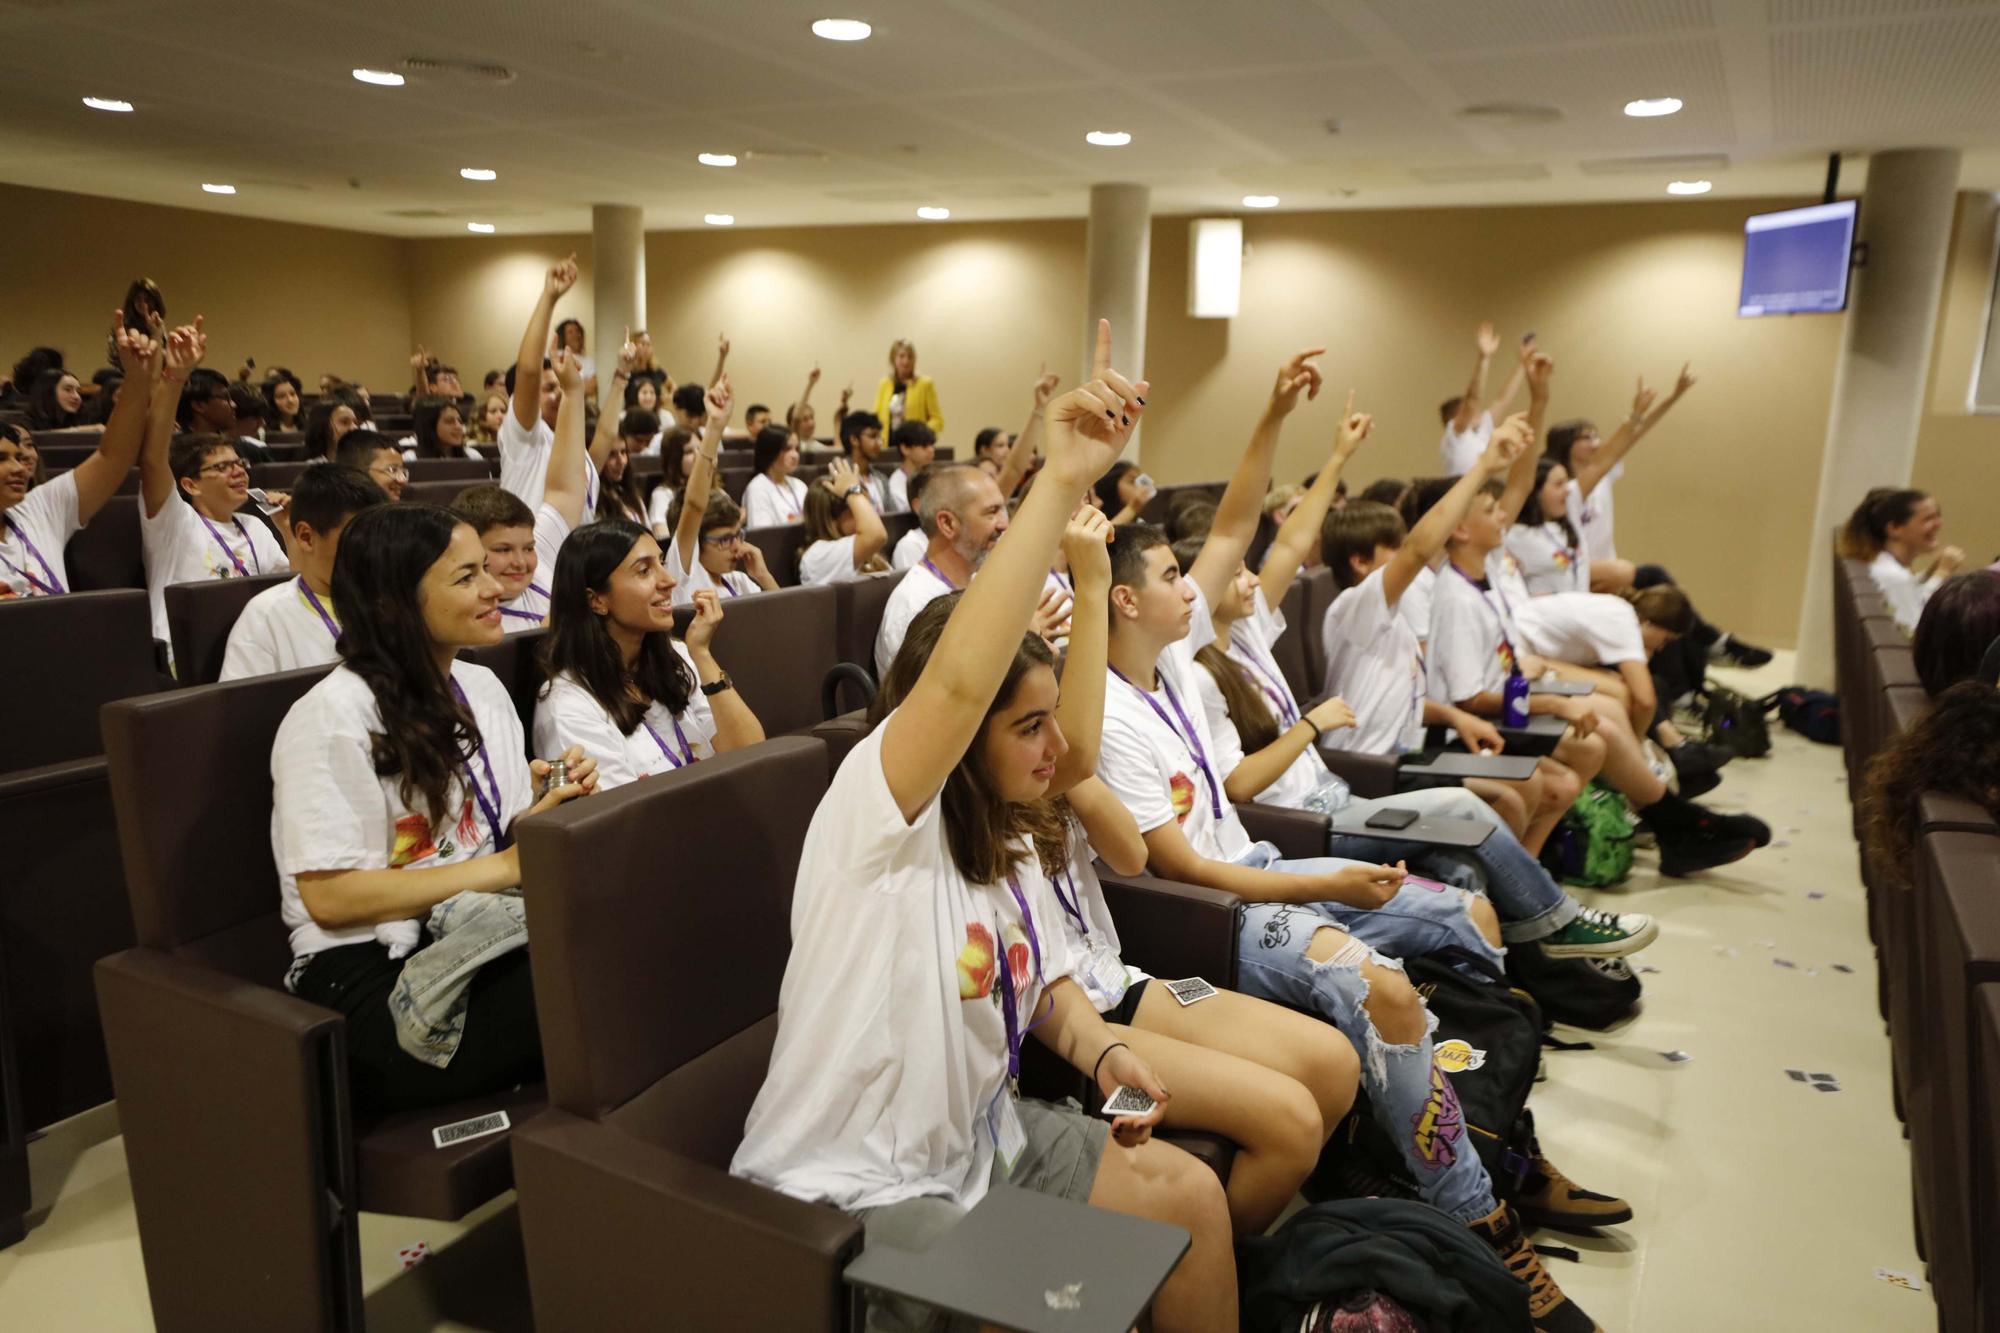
(920, 401)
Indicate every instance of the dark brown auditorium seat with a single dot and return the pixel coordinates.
(108, 552)
(777, 647)
(247, 1167)
(1907, 906)
(200, 616)
(515, 659)
(66, 656)
(434, 492)
(1983, 1172)
(858, 617)
(1290, 649)
(656, 1044)
(1320, 593)
(781, 547)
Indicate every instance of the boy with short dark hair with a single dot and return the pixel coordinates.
(293, 625)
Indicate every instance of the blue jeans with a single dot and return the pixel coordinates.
(1530, 904)
(1411, 1097)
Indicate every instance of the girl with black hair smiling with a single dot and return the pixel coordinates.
(775, 497)
(282, 392)
(621, 687)
(397, 783)
(440, 430)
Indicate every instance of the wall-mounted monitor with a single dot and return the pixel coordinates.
(1797, 262)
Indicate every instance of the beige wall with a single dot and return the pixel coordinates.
(310, 298)
(1958, 454)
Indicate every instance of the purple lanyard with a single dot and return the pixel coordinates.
(54, 584)
(229, 550)
(1275, 689)
(685, 757)
(488, 805)
(728, 588)
(312, 600)
(1072, 902)
(1062, 581)
(1185, 733)
(925, 563)
(1499, 618)
(1015, 1034)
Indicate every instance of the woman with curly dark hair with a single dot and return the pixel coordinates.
(1954, 749)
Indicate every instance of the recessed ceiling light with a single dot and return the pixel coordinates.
(218, 189)
(1260, 201)
(106, 104)
(719, 219)
(842, 30)
(930, 214)
(1653, 106)
(716, 159)
(1690, 187)
(479, 173)
(1108, 138)
(483, 228)
(380, 77)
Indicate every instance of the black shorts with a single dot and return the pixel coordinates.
(1128, 1008)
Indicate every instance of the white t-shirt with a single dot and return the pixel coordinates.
(1549, 562)
(1154, 743)
(899, 491)
(183, 546)
(531, 608)
(1472, 633)
(568, 714)
(410, 454)
(657, 505)
(279, 630)
(1901, 589)
(524, 462)
(1593, 516)
(888, 1080)
(910, 548)
(1091, 936)
(1373, 661)
(1415, 608)
(878, 495)
(829, 562)
(1458, 451)
(766, 504)
(1249, 646)
(919, 588)
(689, 582)
(47, 517)
(330, 811)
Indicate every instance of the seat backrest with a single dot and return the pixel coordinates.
(777, 647)
(781, 547)
(1290, 649)
(108, 552)
(644, 962)
(199, 618)
(65, 658)
(515, 659)
(434, 492)
(734, 479)
(191, 785)
(859, 617)
(899, 526)
(1320, 593)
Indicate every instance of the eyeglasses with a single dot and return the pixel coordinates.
(390, 470)
(225, 467)
(723, 538)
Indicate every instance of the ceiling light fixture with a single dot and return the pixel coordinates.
(716, 159)
(1653, 106)
(1108, 138)
(842, 30)
(1690, 187)
(719, 219)
(930, 214)
(381, 78)
(479, 173)
(482, 228)
(1260, 201)
(106, 104)
(218, 189)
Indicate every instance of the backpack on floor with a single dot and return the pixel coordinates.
(1735, 722)
(1593, 993)
(1592, 846)
(1814, 714)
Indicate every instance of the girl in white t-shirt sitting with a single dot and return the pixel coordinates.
(844, 532)
(925, 943)
(621, 687)
(1891, 530)
(774, 498)
(397, 783)
(440, 430)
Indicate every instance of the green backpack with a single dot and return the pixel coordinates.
(1592, 846)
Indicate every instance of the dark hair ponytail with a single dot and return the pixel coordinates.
(1861, 537)
(579, 643)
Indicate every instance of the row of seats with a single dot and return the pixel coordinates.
(1935, 924)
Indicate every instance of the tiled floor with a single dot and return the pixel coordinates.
(1763, 1204)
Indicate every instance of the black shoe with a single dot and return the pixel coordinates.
(1710, 824)
(1688, 852)
(1699, 755)
(1732, 649)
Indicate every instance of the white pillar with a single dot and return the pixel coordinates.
(618, 278)
(1118, 256)
(1885, 357)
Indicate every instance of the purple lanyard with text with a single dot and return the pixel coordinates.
(685, 757)
(489, 805)
(1274, 688)
(1015, 1034)
(1185, 733)
(53, 585)
(229, 550)
(728, 588)
(312, 600)
(1500, 616)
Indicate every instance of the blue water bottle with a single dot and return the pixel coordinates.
(1514, 702)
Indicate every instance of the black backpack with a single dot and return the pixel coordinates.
(1735, 722)
(1814, 714)
(1593, 993)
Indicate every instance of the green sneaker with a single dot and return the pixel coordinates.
(1595, 934)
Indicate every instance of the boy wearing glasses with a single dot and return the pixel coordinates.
(377, 455)
(189, 523)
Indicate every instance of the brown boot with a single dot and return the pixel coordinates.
(1548, 1198)
(1552, 1311)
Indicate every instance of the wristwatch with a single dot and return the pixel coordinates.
(856, 489)
(715, 687)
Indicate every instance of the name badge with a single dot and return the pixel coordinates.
(1003, 1122)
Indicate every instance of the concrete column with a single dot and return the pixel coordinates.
(1118, 256)
(618, 277)
(1885, 358)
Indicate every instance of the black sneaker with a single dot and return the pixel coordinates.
(1731, 649)
(1699, 755)
(1697, 782)
(1688, 852)
(1708, 823)
(1552, 1311)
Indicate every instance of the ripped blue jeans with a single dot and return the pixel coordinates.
(1413, 1100)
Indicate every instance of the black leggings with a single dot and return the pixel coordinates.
(500, 1049)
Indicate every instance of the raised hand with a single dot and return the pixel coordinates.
(1508, 441)
(628, 352)
(1354, 428)
(569, 372)
(812, 377)
(139, 356)
(1684, 381)
(561, 277)
(845, 395)
(707, 615)
(1642, 399)
(186, 346)
(1486, 340)
(839, 476)
(421, 358)
(721, 347)
(1298, 373)
(1089, 426)
(1085, 546)
(719, 398)
(1539, 367)
(1045, 387)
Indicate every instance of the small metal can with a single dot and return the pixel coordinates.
(558, 776)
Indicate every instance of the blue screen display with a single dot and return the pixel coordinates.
(1796, 262)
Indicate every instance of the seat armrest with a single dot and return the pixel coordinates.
(1173, 929)
(1297, 834)
(1367, 775)
(612, 1224)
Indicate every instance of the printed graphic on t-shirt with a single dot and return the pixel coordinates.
(1017, 955)
(414, 841)
(975, 962)
(1183, 794)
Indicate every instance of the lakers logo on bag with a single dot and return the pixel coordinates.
(1454, 1056)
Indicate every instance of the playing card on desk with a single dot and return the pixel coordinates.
(1190, 990)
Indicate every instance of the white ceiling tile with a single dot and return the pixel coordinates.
(1432, 26)
(1883, 84)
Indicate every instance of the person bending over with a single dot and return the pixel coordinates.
(397, 784)
(620, 686)
(1892, 531)
(293, 624)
